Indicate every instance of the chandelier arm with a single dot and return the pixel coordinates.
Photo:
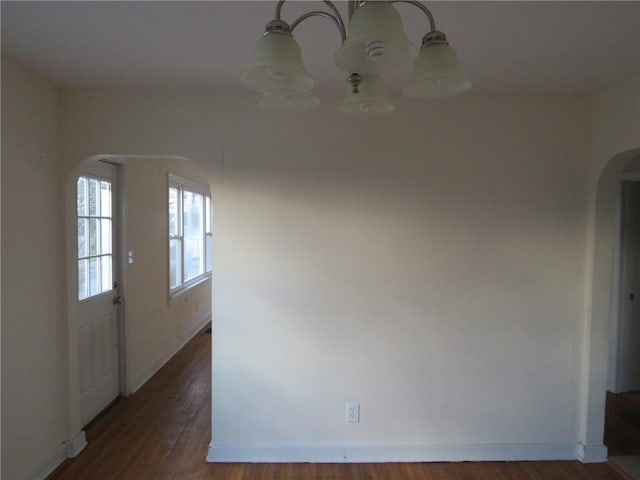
(318, 13)
(419, 5)
(279, 9)
(336, 12)
(336, 17)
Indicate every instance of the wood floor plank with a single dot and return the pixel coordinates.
(162, 432)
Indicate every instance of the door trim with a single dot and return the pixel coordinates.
(620, 286)
(122, 279)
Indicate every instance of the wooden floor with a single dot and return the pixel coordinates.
(163, 431)
(622, 427)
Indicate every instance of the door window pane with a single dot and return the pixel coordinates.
(105, 199)
(105, 273)
(82, 196)
(94, 276)
(94, 197)
(83, 275)
(95, 236)
(83, 244)
(105, 236)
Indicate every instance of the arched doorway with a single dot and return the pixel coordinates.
(601, 305)
(152, 324)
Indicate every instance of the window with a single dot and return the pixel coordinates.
(190, 235)
(95, 252)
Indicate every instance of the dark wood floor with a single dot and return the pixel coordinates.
(163, 431)
(622, 427)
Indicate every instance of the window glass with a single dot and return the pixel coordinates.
(95, 236)
(192, 211)
(174, 217)
(105, 199)
(94, 197)
(105, 236)
(94, 276)
(175, 262)
(83, 278)
(83, 244)
(190, 236)
(106, 271)
(82, 197)
(207, 215)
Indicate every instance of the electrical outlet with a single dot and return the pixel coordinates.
(353, 412)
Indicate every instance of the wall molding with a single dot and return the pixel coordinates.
(392, 453)
(76, 444)
(592, 453)
(141, 378)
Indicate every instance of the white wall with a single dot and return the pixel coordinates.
(34, 375)
(428, 264)
(615, 123)
(156, 329)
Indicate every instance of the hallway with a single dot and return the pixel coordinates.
(163, 431)
(622, 431)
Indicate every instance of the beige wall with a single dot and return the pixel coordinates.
(34, 372)
(615, 123)
(155, 329)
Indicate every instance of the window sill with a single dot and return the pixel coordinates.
(182, 290)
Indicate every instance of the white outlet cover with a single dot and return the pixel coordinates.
(353, 412)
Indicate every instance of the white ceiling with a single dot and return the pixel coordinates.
(530, 47)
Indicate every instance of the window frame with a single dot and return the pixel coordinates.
(182, 185)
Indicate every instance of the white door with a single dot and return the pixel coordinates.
(628, 371)
(97, 292)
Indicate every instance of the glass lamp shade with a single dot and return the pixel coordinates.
(376, 42)
(371, 97)
(300, 102)
(277, 66)
(437, 73)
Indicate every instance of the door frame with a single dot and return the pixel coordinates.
(76, 435)
(618, 289)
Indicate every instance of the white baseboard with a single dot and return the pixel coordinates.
(592, 453)
(390, 453)
(66, 450)
(76, 444)
(141, 378)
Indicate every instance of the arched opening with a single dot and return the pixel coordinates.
(601, 304)
(151, 321)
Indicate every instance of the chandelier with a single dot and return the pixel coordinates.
(375, 44)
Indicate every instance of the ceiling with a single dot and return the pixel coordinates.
(515, 47)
